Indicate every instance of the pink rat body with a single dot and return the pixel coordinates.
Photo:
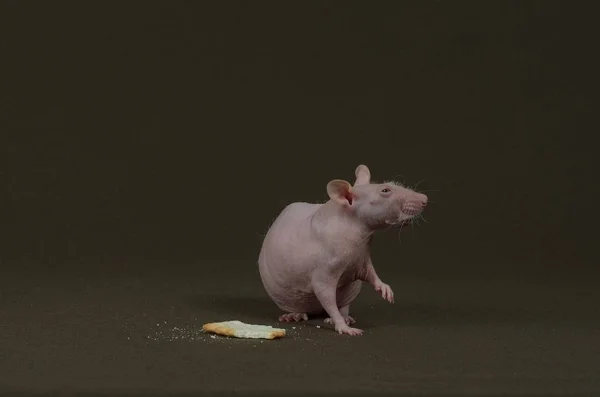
(315, 257)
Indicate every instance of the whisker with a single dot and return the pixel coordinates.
(402, 182)
(417, 185)
(399, 231)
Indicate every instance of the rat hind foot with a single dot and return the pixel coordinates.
(293, 317)
(345, 312)
(349, 331)
(349, 320)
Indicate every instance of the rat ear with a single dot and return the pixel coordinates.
(340, 191)
(363, 175)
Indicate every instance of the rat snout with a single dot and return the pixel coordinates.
(423, 198)
(414, 204)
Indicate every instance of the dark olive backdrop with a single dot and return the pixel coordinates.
(166, 134)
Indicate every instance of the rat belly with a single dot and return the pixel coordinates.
(292, 291)
(294, 301)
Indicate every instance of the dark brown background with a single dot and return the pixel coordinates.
(147, 146)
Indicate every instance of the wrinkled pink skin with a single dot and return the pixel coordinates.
(315, 257)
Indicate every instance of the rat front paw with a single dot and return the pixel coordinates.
(385, 291)
(345, 329)
(349, 320)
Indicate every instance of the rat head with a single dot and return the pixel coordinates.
(377, 205)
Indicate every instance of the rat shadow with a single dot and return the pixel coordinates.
(221, 307)
(374, 314)
(417, 314)
(257, 309)
(403, 313)
(261, 309)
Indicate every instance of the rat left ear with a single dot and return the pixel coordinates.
(340, 191)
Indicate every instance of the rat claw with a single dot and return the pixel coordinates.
(293, 317)
(386, 292)
(349, 331)
(349, 320)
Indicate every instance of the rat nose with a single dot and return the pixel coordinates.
(414, 204)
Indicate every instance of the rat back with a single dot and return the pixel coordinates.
(282, 263)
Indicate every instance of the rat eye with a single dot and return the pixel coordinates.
(385, 190)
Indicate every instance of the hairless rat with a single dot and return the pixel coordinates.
(315, 257)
